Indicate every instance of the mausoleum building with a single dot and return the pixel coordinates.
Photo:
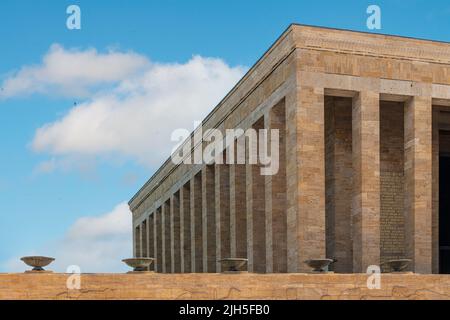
(364, 163)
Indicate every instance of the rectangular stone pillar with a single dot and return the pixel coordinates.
(196, 224)
(238, 211)
(256, 221)
(166, 238)
(163, 238)
(185, 226)
(366, 180)
(275, 197)
(418, 183)
(175, 232)
(435, 192)
(222, 211)
(158, 240)
(148, 236)
(305, 176)
(137, 241)
(209, 219)
(144, 246)
(151, 238)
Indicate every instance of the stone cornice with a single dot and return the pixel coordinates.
(371, 44)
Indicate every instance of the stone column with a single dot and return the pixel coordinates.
(366, 180)
(185, 226)
(238, 210)
(276, 202)
(137, 241)
(256, 222)
(209, 219)
(222, 210)
(435, 237)
(144, 247)
(418, 183)
(148, 243)
(158, 240)
(163, 238)
(151, 238)
(168, 239)
(196, 224)
(175, 232)
(305, 176)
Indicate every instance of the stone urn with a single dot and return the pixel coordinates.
(398, 265)
(139, 264)
(319, 265)
(233, 265)
(37, 262)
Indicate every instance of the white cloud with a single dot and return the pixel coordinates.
(135, 118)
(46, 166)
(94, 243)
(72, 72)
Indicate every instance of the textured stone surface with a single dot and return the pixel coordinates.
(222, 286)
(276, 202)
(256, 221)
(222, 214)
(159, 240)
(166, 240)
(435, 190)
(238, 211)
(392, 237)
(185, 226)
(209, 219)
(196, 224)
(175, 233)
(418, 183)
(366, 180)
(310, 149)
(339, 183)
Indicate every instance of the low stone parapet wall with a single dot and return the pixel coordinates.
(223, 286)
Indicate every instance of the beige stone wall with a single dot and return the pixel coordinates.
(392, 220)
(222, 286)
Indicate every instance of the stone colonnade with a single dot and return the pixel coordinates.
(278, 221)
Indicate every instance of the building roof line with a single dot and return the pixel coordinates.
(370, 33)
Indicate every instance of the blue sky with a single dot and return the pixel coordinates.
(52, 187)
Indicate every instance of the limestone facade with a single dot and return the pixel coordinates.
(362, 121)
(223, 287)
